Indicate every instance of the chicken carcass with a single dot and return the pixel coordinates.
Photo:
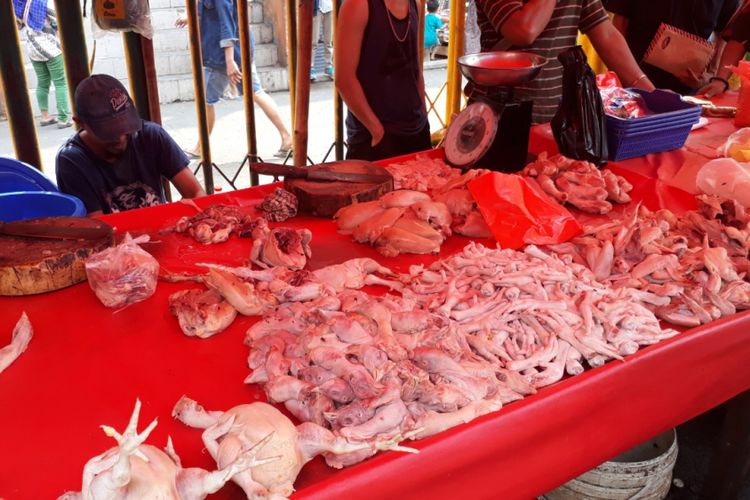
(20, 339)
(227, 433)
(134, 470)
(280, 246)
(201, 313)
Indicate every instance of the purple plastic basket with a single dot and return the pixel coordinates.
(667, 128)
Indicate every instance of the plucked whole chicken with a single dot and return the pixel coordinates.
(136, 471)
(228, 433)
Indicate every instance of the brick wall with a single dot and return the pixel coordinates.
(172, 53)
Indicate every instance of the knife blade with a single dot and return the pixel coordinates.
(52, 231)
(343, 171)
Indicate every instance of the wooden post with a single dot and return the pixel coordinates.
(455, 50)
(302, 87)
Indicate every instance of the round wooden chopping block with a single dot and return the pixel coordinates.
(30, 265)
(325, 198)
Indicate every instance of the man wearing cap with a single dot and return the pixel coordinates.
(116, 160)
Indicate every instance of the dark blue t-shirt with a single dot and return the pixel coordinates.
(133, 181)
(217, 22)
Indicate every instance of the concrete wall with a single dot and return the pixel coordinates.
(172, 52)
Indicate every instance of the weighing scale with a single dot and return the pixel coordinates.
(492, 132)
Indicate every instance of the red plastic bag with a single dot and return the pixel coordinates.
(520, 213)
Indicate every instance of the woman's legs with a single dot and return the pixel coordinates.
(57, 72)
(42, 89)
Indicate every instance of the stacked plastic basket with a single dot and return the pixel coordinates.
(666, 128)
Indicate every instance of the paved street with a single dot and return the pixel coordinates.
(228, 146)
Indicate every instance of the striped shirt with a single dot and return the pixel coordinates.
(569, 17)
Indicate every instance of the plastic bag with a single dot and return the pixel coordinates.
(725, 178)
(737, 145)
(518, 213)
(579, 126)
(123, 274)
(121, 15)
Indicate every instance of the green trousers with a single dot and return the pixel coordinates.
(52, 71)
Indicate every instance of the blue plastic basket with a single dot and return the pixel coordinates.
(667, 128)
(32, 204)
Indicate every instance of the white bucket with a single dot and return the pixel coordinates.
(643, 473)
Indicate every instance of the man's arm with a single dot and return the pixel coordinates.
(612, 48)
(620, 23)
(519, 23)
(350, 29)
(187, 184)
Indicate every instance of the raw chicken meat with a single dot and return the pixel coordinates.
(280, 246)
(123, 274)
(136, 471)
(578, 183)
(20, 339)
(201, 313)
(214, 224)
(227, 433)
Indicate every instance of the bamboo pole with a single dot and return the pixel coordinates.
(247, 86)
(455, 50)
(17, 103)
(338, 103)
(304, 59)
(291, 42)
(200, 94)
(73, 42)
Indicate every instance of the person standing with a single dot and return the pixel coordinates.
(219, 48)
(379, 77)
(548, 27)
(737, 38)
(432, 23)
(639, 22)
(116, 160)
(323, 20)
(38, 20)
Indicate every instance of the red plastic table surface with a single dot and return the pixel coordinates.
(87, 364)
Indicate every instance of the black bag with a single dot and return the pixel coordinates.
(580, 126)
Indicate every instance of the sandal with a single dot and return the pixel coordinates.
(283, 153)
(191, 155)
(45, 123)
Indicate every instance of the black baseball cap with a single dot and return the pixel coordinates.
(103, 103)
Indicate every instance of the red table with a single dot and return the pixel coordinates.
(86, 365)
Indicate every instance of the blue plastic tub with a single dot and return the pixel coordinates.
(19, 176)
(667, 128)
(31, 204)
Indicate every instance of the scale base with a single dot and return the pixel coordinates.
(509, 150)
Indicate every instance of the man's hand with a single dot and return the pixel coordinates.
(377, 134)
(711, 89)
(691, 79)
(181, 21)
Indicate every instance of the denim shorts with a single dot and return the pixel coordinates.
(217, 81)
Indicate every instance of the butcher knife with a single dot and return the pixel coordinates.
(53, 231)
(341, 171)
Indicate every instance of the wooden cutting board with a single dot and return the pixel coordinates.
(36, 265)
(325, 198)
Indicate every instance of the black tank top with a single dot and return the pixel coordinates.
(388, 71)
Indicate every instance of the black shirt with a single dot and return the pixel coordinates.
(699, 17)
(133, 181)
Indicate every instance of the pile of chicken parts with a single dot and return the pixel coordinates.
(468, 334)
(693, 267)
(578, 183)
(410, 221)
(421, 173)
